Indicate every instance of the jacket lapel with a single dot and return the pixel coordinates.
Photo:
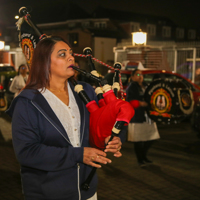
(44, 107)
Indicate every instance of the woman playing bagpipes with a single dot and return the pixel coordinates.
(50, 127)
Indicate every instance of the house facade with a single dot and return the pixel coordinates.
(104, 29)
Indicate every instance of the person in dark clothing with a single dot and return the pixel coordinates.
(141, 130)
(50, 128)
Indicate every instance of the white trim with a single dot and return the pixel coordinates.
(78, 177)
(50, 122)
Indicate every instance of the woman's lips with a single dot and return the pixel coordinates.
(71, 66)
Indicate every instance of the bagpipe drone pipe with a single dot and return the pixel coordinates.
(29, 34)
(107, 118)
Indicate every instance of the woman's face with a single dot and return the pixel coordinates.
(61, 60)
(137, 77)
(23, 70)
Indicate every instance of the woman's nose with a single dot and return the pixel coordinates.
(71, 58)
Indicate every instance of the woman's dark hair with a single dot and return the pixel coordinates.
(40, 67)
(20, 68)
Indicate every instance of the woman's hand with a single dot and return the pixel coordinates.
(94, 157)
(114, 146)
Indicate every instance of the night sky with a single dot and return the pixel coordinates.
(184, 13)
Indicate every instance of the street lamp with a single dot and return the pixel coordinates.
(139, 38)
(2, 44)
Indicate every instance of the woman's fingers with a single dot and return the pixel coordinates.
(96, 161)
(94, 157)
(118, 154)
(114, 146)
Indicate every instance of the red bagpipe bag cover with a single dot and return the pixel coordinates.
(103, 118)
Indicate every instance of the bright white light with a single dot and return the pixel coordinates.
(16, 16)
(139, 38)
(7, 47)
(1, 45)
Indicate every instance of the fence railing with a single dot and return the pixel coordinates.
(181, 59)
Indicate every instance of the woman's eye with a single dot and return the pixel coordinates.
(62, 54)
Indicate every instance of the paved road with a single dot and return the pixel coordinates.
(175, 174)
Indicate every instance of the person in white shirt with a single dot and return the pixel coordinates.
(19, 81)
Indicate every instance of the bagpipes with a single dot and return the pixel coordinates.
(108, 117)
(112, 113)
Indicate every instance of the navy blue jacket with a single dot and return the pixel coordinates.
(51, 168)
(134, 92)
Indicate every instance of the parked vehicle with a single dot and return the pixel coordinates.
(150, 75)
(185, 98)
(7, 73)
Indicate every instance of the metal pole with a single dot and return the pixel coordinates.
(175, 60)
(194, 64)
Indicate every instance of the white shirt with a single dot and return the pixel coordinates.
(17, 84)
(69, 116)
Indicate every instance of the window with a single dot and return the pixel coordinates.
(135, 26)
(191, 34)
(7, 69)
(72, 24)
(151, 29)
(73, 39)
(86, 24)
(96, 24)
(180, 33)
(166, 31)
(100, 25)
